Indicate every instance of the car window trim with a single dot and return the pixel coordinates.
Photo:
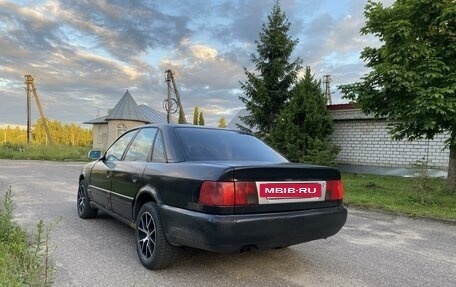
(149, 156)
(126, 148)
(153, 148)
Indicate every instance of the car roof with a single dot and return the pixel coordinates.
(167, 126)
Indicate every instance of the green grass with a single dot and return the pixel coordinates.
(24, 261)
(420, 196)
(43, 152)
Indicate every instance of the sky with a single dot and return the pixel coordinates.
(86, 54)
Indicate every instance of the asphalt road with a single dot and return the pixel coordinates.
(373, 249)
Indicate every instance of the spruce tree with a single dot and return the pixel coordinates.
(201, 119)
(195, 116)
(181, 119)
(267, 90)
(302, 132)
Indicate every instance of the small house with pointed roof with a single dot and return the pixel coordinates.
(125, 115)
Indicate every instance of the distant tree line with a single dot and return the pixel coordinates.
(65, 134)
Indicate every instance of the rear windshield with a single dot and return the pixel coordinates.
(211, 144)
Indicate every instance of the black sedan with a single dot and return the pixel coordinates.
(214, 189)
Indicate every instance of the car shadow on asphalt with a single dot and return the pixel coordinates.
(287, 259)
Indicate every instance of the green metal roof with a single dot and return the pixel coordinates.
(127, 109)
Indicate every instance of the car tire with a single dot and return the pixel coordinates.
(83, 202)
(154, 250)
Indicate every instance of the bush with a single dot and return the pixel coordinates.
(23, 262)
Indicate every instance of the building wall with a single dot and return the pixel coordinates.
(105, 134)
(364, 140)
(100, 136)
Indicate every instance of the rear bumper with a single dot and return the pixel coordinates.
(228, 233)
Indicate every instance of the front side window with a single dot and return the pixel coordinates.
(141, 146)
(115, 152)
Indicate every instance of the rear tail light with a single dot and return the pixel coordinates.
(217, 193)
(245, 193)
(334, 190)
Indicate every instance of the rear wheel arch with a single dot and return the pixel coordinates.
(145, 195)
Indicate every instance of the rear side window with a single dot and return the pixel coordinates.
(212, 144)
(141, 146)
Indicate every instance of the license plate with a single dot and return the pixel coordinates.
(272, 192)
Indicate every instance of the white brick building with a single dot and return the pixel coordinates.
(366, 146)
(364, 140)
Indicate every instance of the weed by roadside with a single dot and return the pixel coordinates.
(424, 184)
(24, 261)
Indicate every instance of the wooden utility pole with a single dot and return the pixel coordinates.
(169, 101)
(29, 110)
(30, 83)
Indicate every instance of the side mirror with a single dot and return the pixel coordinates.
(94, 154)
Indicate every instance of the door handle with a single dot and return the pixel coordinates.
(108, 174)
(134, 179)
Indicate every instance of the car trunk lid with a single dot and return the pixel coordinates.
(282, 187)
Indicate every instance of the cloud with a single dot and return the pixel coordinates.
(205, 79)
(75, 58)
(85, 54)
(203, 52)
(124, 28)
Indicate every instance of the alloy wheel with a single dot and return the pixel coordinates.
(81, 198)
(146, 235)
